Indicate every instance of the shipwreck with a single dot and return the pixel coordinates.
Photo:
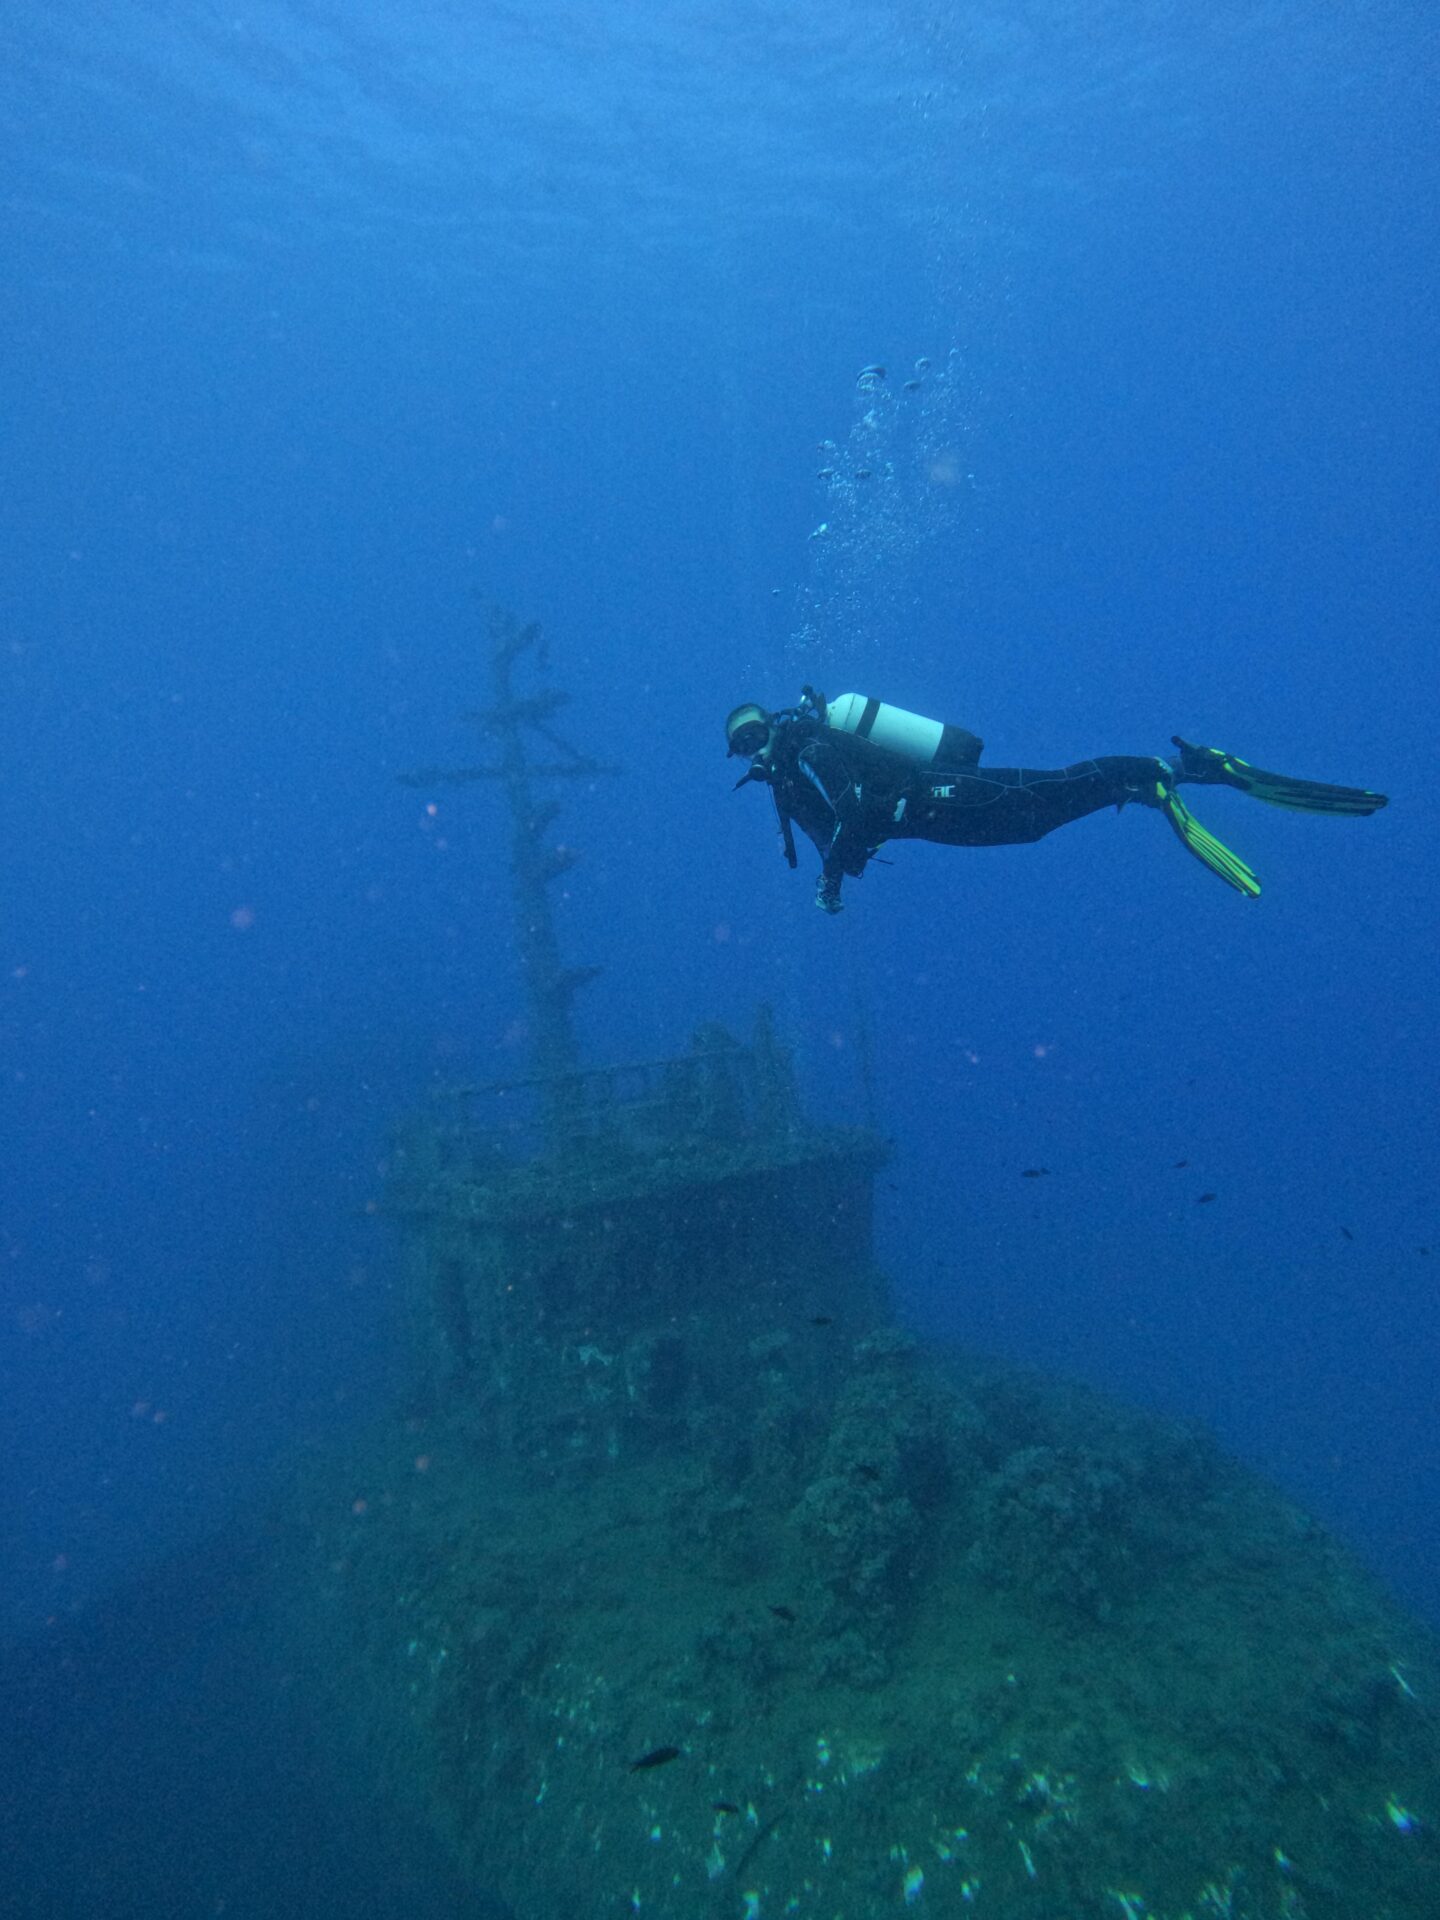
(682, 1581)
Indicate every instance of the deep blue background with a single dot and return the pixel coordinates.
(323, 331)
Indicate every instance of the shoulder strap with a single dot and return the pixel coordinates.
(792, 859)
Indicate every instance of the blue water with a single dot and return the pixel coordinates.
(325, 328)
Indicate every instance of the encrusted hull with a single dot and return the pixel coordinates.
(945, 1639)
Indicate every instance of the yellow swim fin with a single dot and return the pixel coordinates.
(1203, 844)
(1212, 766)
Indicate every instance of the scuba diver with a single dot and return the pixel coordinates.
(852, 774)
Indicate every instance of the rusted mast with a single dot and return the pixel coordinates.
(550, 986)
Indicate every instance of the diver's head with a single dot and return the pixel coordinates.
(748, 730)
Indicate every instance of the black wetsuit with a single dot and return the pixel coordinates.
(850, 796)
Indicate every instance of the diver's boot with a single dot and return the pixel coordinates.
(1211, 766)
(1199, 840)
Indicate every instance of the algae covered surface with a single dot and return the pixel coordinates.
(934, 1636)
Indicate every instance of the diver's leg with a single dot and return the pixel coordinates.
(1003, 806)
(1006, 806)
(1212, 766)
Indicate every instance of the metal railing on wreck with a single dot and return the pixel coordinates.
(720, 1093)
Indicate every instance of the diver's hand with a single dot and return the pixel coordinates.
(827, 896)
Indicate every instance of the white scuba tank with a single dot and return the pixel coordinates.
(924, 742)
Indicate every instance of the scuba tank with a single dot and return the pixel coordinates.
(925, 743)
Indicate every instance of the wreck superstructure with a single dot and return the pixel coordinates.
(592, 1298)
(594, 1248)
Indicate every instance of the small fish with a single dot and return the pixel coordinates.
(1347, 1233)
(657, 1757)
(1424, 1250)
(862, 473)
(787, 1614)
(868, 376)
(1181, 1163)
(922, 363)
(1205, 1199)
(867, 1472)
(912, 386)
(1033, 1173)
(821, 1320)
(724, 1806)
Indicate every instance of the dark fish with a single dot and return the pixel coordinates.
(657, 1757)
(787, 1614)
(867, 376)
(1347, 1233)
(1181, 1163)
(821, 1320)
(724, 1806)
(867, 1472)
(1033, 1173)
(1205, 1199)
(1424, 1250)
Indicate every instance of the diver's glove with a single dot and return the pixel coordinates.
(827, 895)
